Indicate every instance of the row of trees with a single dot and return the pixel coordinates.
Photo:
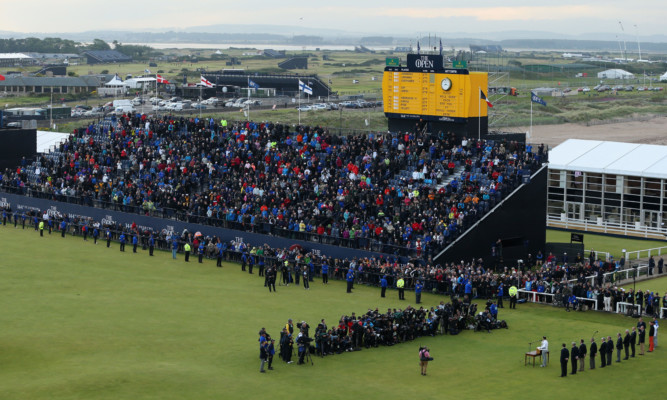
(58, 45)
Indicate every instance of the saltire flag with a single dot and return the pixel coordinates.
(160, 79)
(305, 88)
(537, 99)
(206, 82)
(147, 71)
(482, 96)
(252, 84)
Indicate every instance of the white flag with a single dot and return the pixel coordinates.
(305, 88)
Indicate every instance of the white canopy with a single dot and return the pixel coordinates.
(631, 159)
(115, 81)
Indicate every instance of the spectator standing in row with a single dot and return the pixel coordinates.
(564, 357)
(593, 353)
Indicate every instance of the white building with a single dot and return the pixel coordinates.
(615, 74)
(611, 187)
(115, 87)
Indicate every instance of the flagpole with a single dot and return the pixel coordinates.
(299, 107)
(479, 115)
(531, 115)
(157, 111)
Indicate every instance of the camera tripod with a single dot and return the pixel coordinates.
(307, 357)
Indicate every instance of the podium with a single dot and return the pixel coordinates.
(533, 354)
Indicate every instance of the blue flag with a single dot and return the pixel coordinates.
(252, 84)
(537, 99)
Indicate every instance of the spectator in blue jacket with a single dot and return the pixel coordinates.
(383, 285)
(418, 292)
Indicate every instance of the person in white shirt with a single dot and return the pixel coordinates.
(544, 348)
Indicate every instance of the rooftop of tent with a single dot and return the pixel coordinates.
(617, 158)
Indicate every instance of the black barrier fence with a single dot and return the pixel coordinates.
(368, 244)
(159, 221)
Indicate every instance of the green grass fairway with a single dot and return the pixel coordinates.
(85, 322)
(611, 244)
(654, 285)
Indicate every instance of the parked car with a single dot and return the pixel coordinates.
(199, 106)
(304, 108)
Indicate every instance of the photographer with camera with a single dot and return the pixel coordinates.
(424, 358)
(304, 345)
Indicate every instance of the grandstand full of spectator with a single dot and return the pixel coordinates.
(404, 193)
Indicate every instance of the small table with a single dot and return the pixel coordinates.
(534, 354)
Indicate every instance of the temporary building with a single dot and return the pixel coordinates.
(609, 187)
(615, 74)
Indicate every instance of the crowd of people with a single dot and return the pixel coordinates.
(570, 284)
(375, 328)
(624, 344)
(380, 190)
(581, 285)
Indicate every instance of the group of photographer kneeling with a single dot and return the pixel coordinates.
(374, 328)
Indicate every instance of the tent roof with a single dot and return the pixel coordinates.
(47, 139)
(615, 158)
(115, 81)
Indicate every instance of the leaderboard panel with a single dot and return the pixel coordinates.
(428, 94)
(424, 89)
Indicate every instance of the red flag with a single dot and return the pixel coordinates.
(2, 78)
(160, 79)
(482, 96)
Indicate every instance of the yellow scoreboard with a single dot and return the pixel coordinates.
(434, 94)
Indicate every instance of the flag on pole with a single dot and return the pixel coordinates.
(482, 96)
(2, 78)
(537, 99)
(147, 71)
(305, 88)
(206, 82)
(252, 84)
(160, 79)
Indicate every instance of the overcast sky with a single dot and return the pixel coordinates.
(404, 17)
